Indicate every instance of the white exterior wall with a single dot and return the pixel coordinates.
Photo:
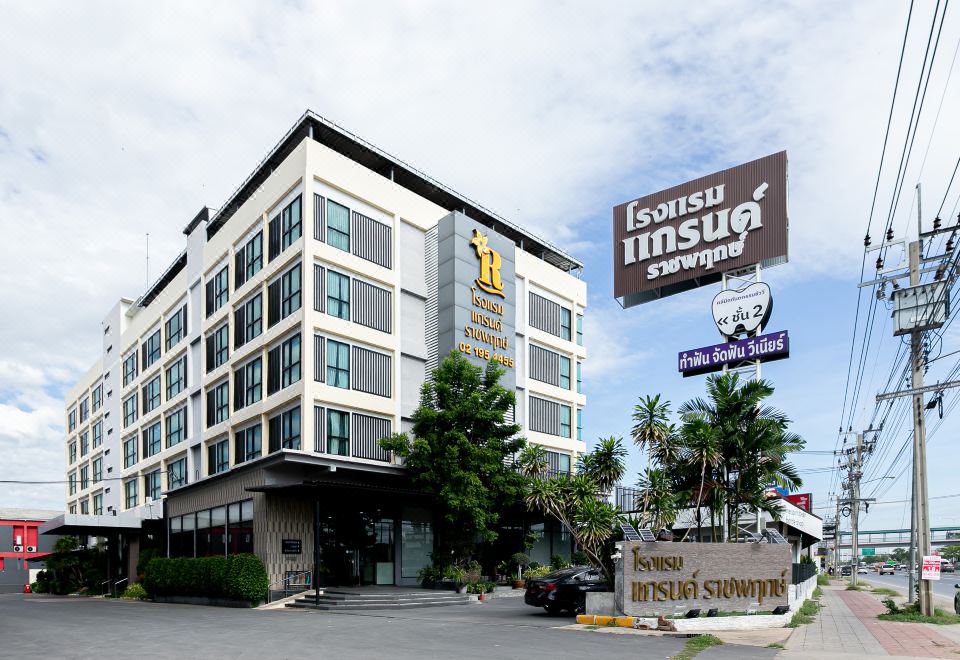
(310, 168)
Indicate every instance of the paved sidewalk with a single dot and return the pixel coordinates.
(847, 627)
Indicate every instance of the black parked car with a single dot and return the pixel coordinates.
(565, 589)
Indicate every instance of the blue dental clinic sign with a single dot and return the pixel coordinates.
(765, 348)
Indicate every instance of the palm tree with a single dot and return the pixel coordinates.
(702, 447)
(753, 439)
(659, 497)
(605, 464)
(533, 461)
(650, 422)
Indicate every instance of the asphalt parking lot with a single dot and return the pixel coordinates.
(34, 625)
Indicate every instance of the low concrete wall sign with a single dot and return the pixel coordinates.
(731, 577)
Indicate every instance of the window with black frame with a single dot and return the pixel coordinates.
(177, 473)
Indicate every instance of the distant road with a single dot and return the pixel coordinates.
(944, 588)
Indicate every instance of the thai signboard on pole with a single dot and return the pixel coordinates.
(930, 569)
(765, 348)
(684, 237)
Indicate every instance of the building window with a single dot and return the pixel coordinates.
(283, 362)
(248, 444)
(97, 433)
(130, 493)
(72, 420)
(218, 403)
(176, 427)
(151, 350)
(73, 452)
(338, 295)
(130, 452)
(72, 483)
(218, 290)
(176, 327)
(218, 348)
(579, 378)
(84, 477)
(151, 486)
(338, 364)
(177, 473)
(151, 440)
(97, 397)
(580, 329)
(249, 260)
(248, 321)
(218, 457)
(130, 409)
(84, 410)
(290, 287)
(285, 430)
(73, 508)
(151, 394)
(579, 424)
(84, 443)
(176, 377)
(564, 372)
(565, 421)
(98, 504)
(285, 228)
(338, 433)
(129, 368)
(565, 323)
(84, 507)
(338, 226)
(247, 384)
(97, 470)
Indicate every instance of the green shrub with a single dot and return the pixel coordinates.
(537, 572)
(557, 562)
(135, 592)
(823, 579)
(579, 558)
(238, 577)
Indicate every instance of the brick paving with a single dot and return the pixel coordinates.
(903, 639)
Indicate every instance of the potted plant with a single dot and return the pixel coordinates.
(521, 561)
(429, 576)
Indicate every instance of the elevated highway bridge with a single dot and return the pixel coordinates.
(899, 538)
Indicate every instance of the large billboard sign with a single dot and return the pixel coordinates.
(686, 236)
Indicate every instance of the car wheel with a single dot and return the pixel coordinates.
(580, 605)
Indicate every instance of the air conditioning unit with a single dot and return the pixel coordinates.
(31, 548)
(18, 548)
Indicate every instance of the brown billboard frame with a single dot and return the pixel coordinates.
(687, 236)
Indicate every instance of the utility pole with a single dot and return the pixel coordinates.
(836, 539)
(922, 522)
(855, 474)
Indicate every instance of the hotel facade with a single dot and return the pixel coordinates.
(238, 403)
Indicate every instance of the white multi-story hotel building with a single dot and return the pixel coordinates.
(242, 396)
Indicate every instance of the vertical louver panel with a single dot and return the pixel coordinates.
(209, 352)
(544, 416)
(544, 365)
(365, 436)
(239, 388)
(371, 240)
(276, 430)
(319, 430)
(208, 298)
(239, 271)
(319, 359)
(275, 235)
(319, 216)
(319, 292)
(431, 315)
(371, 372)
(273, 372)
(211, 408)
(545, 314)
(372, 306)
(273, 302)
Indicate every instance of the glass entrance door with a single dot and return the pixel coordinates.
(357, 548)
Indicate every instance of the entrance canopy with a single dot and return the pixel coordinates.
(87, 525)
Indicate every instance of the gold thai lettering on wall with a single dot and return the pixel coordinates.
(486, 322)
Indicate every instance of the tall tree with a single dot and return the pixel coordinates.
(702, 447)
(462, 450)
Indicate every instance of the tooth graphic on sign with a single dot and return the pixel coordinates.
(743, 311)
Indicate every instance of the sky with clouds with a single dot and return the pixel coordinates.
(118, 119)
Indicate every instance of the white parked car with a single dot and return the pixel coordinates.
(863, 570)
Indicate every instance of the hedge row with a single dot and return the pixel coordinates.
(236, 577)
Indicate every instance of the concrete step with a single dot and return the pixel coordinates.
(426, 594)
(340, 605)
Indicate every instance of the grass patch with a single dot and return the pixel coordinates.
(805, 614)
(823, 579)
(854, 587)
(776, 645)
(695, 645)
(817, 593)
(910, 614)
(885, 591)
